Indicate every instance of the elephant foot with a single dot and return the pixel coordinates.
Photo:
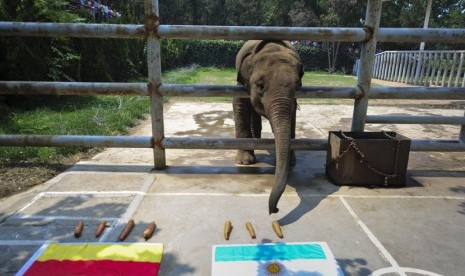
(245, 157)
(292, 159)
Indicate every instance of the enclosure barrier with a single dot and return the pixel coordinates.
(427, 68)
(153, 32)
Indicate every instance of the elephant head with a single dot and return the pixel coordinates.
(271, 72)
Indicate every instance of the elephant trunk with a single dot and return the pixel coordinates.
(279, 115)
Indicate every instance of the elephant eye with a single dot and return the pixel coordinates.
(260, 87)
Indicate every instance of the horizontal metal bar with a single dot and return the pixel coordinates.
(417, 92)
(72, 88)
(327, 92)
(230, 32)
(196, 143)
(420, 34)
(72, 30)
(146, 142)
(422, 51)
(257, 32)
(75, 141)
(180, 31)
(437, 145)
(399, 119)
(243, 143)
(180, 90)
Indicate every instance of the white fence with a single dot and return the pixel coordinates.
(427, 68)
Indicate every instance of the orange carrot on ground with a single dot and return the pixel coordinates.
(227, 229)
(149, 231)
(78, 229)
(277, 229)
(127, 230)
(100, 229)
(249, 227)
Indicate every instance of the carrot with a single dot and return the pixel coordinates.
(277, 229)
(149, 231)
(127, 230)
(227, 229)
(249, 227)
(78, 229)
(100, 229)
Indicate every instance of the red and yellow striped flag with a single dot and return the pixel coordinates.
(96, 259)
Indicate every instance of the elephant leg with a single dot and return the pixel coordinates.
(256, 125)
(292, 158)
(242, 120)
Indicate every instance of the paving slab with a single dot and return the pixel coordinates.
(413, 230)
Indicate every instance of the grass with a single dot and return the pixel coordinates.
(111, 115)
(70, 115)
(227, 76)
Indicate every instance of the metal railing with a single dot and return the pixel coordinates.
(153, 32)
(427, 68)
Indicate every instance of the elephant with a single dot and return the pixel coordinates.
(271, 72)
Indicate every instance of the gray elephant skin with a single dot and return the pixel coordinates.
(271, 72)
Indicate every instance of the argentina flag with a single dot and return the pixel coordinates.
(276, 259)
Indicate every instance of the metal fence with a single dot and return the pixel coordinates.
(153, 32)
(427, 68)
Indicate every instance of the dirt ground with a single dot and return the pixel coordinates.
(18, 177)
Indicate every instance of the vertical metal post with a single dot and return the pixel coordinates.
(390, 66)
(463, 80)
(441, 57)
(375, 69)
(418, 68)
(428, 69)
(154, 81)
(462, 133)
(433, 70)
(368, 49)
(446, 66)
(452, 70)
(383, 65)
(409, 67)
(397, 71)
(401, 68)
(459, 70)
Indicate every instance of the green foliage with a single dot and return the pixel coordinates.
(313, 58)
(71, 115)
(222, 53)
(217, 53)
(26, 58)
(173, 53)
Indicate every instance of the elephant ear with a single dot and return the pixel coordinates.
(240, 77)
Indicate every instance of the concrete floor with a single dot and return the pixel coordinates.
(415, 230)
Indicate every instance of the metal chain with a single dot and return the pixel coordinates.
(365, 162)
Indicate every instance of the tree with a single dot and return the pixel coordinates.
(302, 16)
(244, 12)
(32, 58)
(339, 13)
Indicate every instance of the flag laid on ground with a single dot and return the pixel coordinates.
(274, 259)
(95, 259)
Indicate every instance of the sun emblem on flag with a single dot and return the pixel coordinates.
(273, 268)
